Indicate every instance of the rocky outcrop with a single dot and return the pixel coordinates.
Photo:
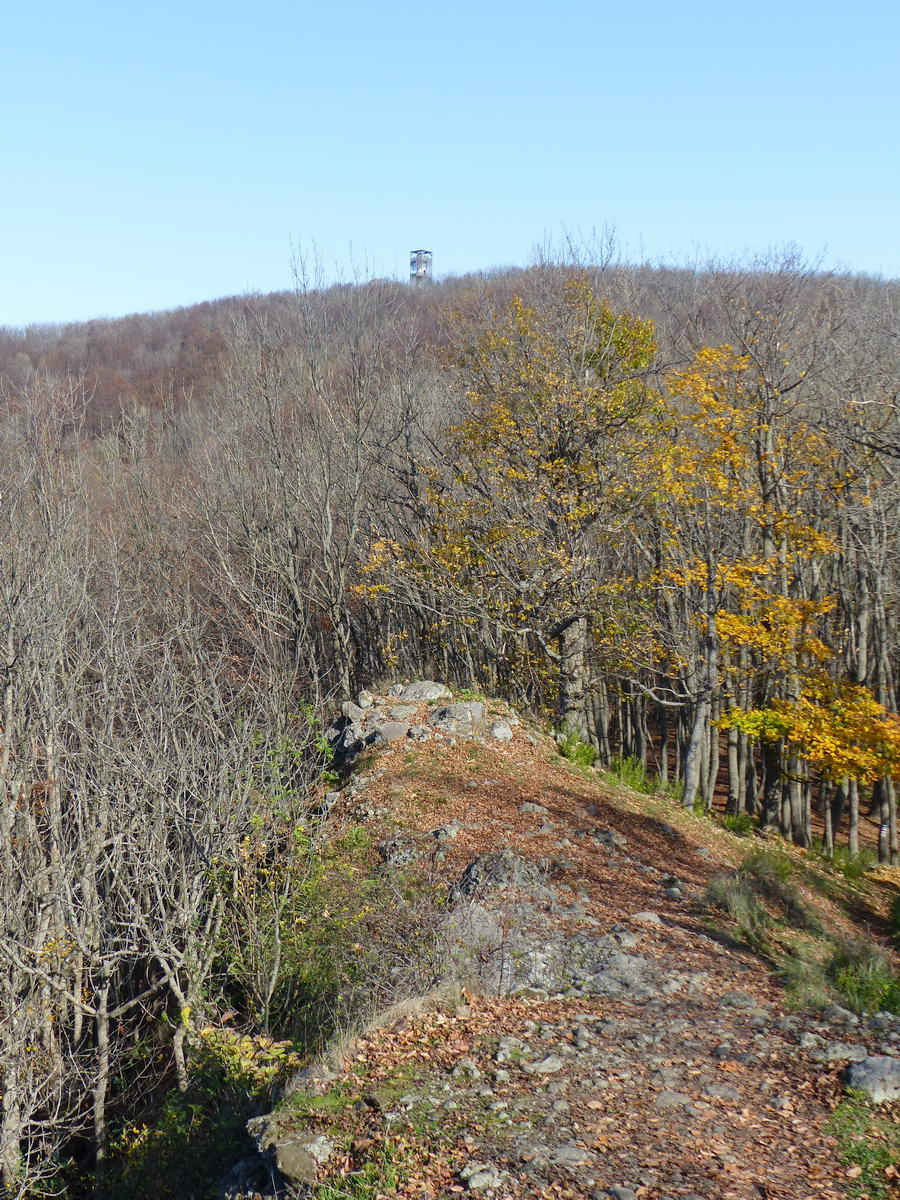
(371, 721)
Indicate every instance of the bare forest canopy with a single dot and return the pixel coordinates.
(656, 507)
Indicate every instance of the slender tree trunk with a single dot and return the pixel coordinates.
(101, 1087)
(853, 818)
(663, 719)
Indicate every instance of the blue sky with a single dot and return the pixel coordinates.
(160, 154)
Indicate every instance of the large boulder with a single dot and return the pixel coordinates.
(425, 691)
(463, 719)
(878, 1076)
(299, 1155)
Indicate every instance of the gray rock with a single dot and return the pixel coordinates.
(463, 719)
(528, 807)
(402, 712)
(365, 699)
(446, 833)
(466, 1068)
(352, 712)
(721, 1091)
(544, 1066)
(425, 691)
(647, 918)
(391, 731)
(480, 1177)
(570, 1155)
(674, 893)
(620, 1193)
(609, 837)
(738, 1000)
(840, 1052)
(510, 1049)
(299, 1154)
(878, 1076)
(671, 1100)
(244, 1179)
(839, 1016)
(495, 870)
(399, 851)
(501, 731)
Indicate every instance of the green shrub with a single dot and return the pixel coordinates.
(864, 978)
(734, 895)
(852, 866)
(577, 751)
(770, 868)
(179, 1153)
(740, 823)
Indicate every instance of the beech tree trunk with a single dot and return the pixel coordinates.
(572, 690)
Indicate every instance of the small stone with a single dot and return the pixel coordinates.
(446, 833)
(466, 1068)
(669, 1099)
(721, 1091)
(501, 731)
(620, 1193)
(647, 918)
(609, 837)
(570, 1155)
(545, 1066)
(674, 893)
(365, 699)
(839, 1016)
(402, 712)
(480, 1177)
(352, 711)
(528, 807)
(738, 1000)
(509, 1050)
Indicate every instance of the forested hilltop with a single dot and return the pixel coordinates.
(655, 509)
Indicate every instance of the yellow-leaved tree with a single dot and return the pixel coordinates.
(537, 477)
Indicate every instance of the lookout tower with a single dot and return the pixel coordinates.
(420, 266)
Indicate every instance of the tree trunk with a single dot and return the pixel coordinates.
(853, 818)
(771, 809)
(573, 652)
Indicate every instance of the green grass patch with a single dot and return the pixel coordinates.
(864, 978)
(867, 1142)
(805, 983)
(384, 1169)
(853, 867)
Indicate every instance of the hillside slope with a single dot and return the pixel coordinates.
(609, 1038)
